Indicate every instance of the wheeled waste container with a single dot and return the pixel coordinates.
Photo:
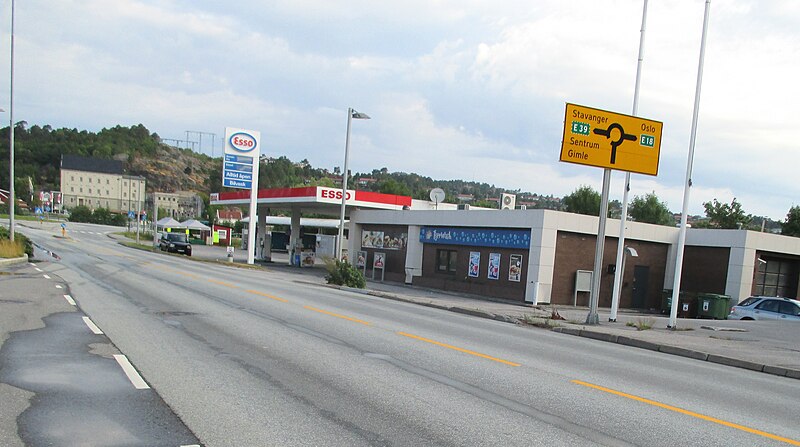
(714, 306)
(687, 304)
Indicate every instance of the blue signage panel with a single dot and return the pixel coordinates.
(238, 167)
(231, 183)
(238, 175)
(239, 158)
(520, 239)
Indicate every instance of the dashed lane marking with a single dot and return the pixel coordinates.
(267, 295)
(93, 327)
(688, 413)
(456, 348)
(70, 300)
(131, 372)
(343, 317)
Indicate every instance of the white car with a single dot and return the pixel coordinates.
(766, 308)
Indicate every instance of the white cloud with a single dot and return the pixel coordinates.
(457, 89)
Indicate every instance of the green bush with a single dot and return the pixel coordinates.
(4, 234)
(343, 273)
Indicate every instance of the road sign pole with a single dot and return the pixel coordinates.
(594, 297)
(676, 285)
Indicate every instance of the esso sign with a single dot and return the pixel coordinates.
(242, 142)
(333, 194)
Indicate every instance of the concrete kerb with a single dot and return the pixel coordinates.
(13, 261)
(683, 352)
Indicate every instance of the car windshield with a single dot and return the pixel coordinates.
(176, 237)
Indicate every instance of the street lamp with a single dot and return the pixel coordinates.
(351, 114)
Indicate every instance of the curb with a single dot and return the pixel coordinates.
(683, 352)
(13, 261)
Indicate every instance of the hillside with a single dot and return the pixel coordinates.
(38, 151)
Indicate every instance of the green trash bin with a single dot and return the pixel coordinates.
(714, 306)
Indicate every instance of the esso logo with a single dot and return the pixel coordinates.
(243, 142)
(333, 194)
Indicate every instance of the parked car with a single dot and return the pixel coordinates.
(766, 308)
(175, 243)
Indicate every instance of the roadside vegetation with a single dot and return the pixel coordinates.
(342, 273)
(14, 249)
(642, 324)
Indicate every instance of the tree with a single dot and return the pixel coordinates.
(722, 215)
(584, 200)
(80, 214)
(391, 186)
(649, 209)
(791, 226)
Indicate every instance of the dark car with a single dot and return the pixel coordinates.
(175, 243)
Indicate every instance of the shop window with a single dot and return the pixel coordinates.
(446, 261)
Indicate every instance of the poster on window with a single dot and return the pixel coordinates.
(372, 239)
(474, 264)
(361, 259)
(388, 240)
(515, 268)
(494, 266)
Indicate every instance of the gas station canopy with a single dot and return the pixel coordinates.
(319, 199)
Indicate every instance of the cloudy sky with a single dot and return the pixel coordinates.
(470, 89)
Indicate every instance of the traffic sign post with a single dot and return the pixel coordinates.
(610, 140)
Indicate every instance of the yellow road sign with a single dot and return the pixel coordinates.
(611, 140)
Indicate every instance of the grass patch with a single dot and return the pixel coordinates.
(148, 247)
(642, 324)
(10, 249)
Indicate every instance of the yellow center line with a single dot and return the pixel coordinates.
(689, 413)
(467, 351)
(267, 295)
(356, 320)
(222, 283)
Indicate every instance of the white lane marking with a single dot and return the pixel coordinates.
(33, 265)
(37, 269)
(46, 277)
(70, 300)
(58, 286)
(131, 372)
(191, 445)
(92, 326)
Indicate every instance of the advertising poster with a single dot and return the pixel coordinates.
(380, 261)
(371, 239)
(307, 258)
(494, 266)
(515, 268)
(361, 259)
(385, 240)
(474, 264)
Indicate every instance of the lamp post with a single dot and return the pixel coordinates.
(351, 114)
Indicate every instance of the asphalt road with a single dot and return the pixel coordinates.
(253, 357)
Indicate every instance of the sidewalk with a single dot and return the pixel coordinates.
(771, 347)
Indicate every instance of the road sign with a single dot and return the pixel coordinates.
(130, 214)
(610, 140)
